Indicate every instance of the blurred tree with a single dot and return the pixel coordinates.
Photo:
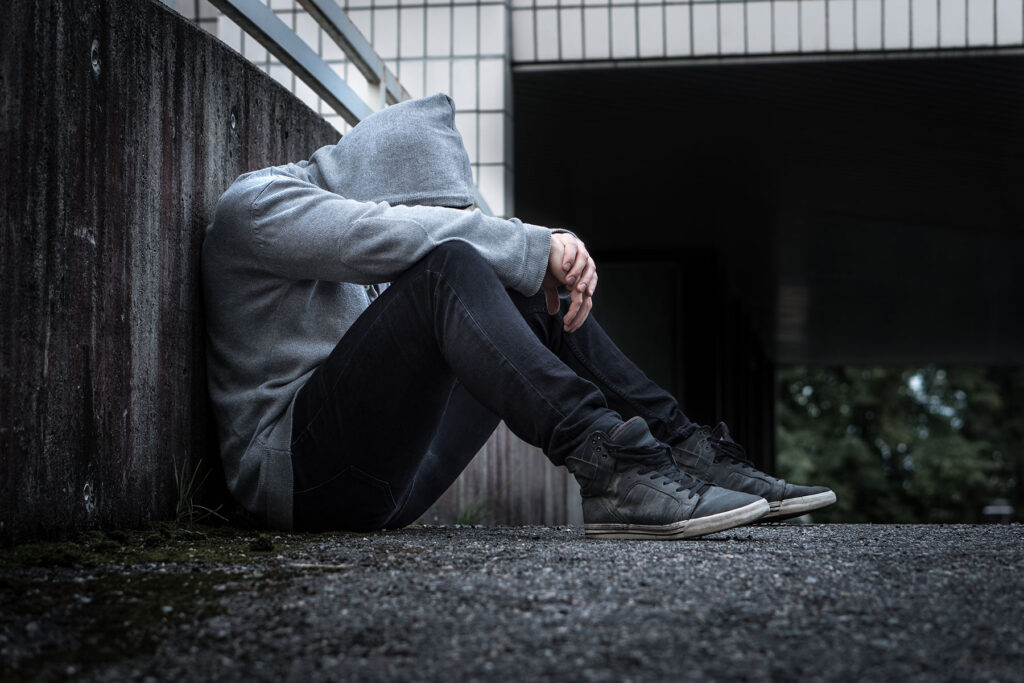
(923, 444)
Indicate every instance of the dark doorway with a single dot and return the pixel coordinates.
(857, 211)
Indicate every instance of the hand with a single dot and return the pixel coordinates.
(570, 264)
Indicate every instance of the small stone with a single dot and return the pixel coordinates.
(261, 544)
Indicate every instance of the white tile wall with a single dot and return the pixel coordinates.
(732, 28)
(980, 19)
(677, 30)
(492, 84)
(759, 27)
(869, 24)
(840, 24)
(307, 29)
(705, 29)
(522, 36)
(438, 76)
(464, 80)
(596, 33)
(282, 75)
(306, 94)
(897, 24)
(651, 29)
(229, 32)
(464, 47)
(411, 75)
(493, 29)
(1009, 22)
(413, 22)
(491, 181)
(812, 25)
(467, 125)
(464, 30)
(572, 33)
(385, 33)
(439, 31)
(787, 26)
(547, 34)
(624, 43)
(925, 28)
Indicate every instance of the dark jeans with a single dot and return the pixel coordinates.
(419, 382)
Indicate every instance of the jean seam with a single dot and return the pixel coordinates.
(604, 379)
(406, 497)
(494, 346)
(323, 483)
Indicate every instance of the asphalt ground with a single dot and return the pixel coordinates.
(770, 602)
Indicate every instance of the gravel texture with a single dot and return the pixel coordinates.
(778, 602)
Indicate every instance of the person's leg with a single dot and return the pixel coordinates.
(463, 429)
(705, 453)
(594, 356)
(365, 421)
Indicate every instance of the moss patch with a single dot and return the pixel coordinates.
(106, 596)
(59, 625)
(162, 543)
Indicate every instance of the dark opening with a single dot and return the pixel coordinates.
(858, 211)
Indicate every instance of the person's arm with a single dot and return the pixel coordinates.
(299, 230)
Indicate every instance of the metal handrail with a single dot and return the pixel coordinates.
(260, 22)
(338, 26)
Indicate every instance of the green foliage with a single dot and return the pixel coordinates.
(188, 484)
(922, 444)
(476, 512)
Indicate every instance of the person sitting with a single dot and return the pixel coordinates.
(368, 329)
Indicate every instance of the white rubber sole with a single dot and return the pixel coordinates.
(792, 507)
(687, 528)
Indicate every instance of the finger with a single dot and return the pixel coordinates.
(575, 304)
(570, 254)
(551, 298)
(579, 265)
(580, 316)
(587, 274)
(593, 285)
(584, 313)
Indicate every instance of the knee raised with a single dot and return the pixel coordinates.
(456, 256)
(455, 249)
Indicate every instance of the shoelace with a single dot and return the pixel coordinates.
(658, 460)
(731, 450)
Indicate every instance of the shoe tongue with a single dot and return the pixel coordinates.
(721, 431)
(633, 432)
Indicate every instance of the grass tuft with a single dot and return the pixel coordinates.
(188, 511)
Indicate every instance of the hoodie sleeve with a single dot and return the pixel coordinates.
(301, 231)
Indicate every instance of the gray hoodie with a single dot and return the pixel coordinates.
(295, 254)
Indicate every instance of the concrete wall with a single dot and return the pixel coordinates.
(112, 160)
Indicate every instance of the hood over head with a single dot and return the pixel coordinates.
(409, 153)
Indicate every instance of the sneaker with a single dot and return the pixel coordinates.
(714, 456)
(631, 489)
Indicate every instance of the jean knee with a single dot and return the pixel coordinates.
(457, 259)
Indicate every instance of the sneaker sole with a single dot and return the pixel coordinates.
(687, 528)
(794, 507)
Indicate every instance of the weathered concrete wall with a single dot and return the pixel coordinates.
(111, 160)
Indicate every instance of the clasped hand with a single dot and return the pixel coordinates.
(570, 264)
